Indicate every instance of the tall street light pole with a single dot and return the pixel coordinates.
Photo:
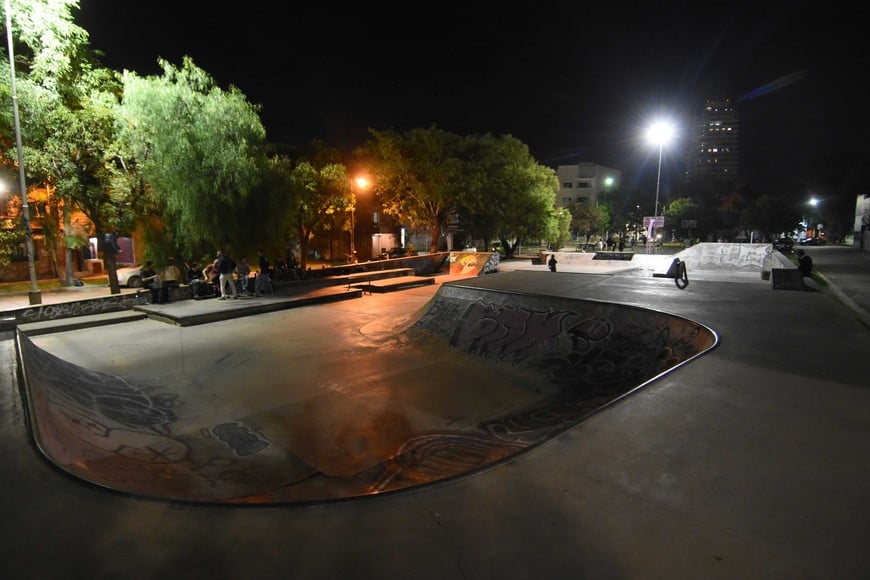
(361, 184)
(608, 183)
(34, 294)
(660, 134)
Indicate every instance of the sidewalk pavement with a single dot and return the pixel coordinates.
(747, 462)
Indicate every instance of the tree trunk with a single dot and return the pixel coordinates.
(68, 253)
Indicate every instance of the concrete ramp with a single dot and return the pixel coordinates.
(733, 257)
(361, 405)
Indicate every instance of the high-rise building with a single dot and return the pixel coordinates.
(715, 156)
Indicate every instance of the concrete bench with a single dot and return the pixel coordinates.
(613, 256)
(787, 279)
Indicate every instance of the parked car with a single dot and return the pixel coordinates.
(396, 252)
(131, 276)
(812, 242)
(784, 245)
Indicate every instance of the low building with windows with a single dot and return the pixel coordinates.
(586, 183)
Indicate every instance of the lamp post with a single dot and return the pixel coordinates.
(659, 133)
(812, 220)
(362, 184)
(34, 294)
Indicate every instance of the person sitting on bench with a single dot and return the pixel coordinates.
(805, 263)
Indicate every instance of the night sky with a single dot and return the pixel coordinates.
(574, 82)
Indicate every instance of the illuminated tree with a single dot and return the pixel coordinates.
(200, 150)
(418, 176)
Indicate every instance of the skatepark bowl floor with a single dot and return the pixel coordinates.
(294, 407)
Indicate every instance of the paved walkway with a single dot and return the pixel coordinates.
(747, 462)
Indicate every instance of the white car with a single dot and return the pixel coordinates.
(131, 276)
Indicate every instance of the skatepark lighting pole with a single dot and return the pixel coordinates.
(362, 184)
(812, 218)
(659, 133)
(34, 294)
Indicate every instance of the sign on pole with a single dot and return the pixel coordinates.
(654, 221)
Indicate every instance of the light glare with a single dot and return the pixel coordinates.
(660, 133)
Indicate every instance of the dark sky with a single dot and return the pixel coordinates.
(574, 82)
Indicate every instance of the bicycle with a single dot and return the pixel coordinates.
(262, 285)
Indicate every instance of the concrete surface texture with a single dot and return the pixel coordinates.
(748, 462)
(341, 414)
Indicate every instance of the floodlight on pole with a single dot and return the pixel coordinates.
(659, 133)
(608, 183)
(34, 294)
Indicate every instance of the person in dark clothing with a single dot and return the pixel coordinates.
(225, 266)
(151, 280)
(264, 262)
(552, 263)
(193, 272)
(805, 263)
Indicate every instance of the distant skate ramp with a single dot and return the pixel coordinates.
(476, 377)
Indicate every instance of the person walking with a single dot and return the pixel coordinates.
(225, 266)
(552, 263)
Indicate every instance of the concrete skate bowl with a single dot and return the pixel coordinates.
(470, 381)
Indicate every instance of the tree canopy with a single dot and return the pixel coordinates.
(200, 150)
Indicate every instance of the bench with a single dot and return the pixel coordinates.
(613, 256)
(787, 279)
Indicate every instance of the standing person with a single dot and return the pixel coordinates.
(225, 266)
(264, 262)
(621, 243)
(552, 263)
(244, 272)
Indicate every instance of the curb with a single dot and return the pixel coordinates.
(862, 315)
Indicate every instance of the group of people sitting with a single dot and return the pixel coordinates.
(158, 285)
(221, 277)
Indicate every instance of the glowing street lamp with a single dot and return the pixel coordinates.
(33, 295)
(361, 184)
